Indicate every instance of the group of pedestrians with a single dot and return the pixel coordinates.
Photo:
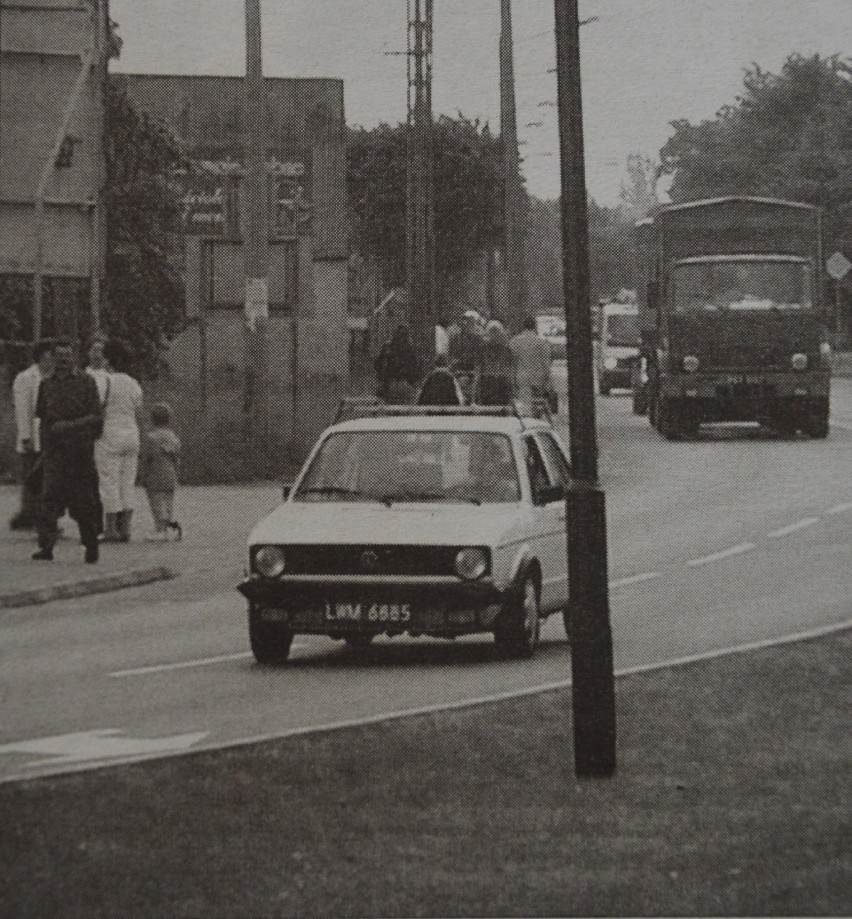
(81, 448)
(482, 365)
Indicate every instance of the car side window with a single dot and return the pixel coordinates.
(560, 471)
(536, 470)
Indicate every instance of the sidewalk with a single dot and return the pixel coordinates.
(215, 520)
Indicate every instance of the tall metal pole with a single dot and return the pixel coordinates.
(593, 689)
(101, 67)
(513, 217)
(420, 212)
(256, 231)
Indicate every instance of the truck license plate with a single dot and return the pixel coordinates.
(368, 612)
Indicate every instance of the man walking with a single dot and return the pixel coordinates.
(24, 395)
(532, 363)
(70, 414)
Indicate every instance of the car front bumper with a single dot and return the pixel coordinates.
(437, 605)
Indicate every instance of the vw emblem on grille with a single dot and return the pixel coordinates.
(369, 560)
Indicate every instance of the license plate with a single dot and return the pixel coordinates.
(368, 612)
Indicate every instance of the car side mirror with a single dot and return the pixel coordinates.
(285, 491)
(551, 493)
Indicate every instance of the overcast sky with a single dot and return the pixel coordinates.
(645, 62)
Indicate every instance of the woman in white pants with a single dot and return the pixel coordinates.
(117, 451)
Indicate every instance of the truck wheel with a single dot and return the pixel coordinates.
(818, 425)
(270, 642)
(640, 402)
(669, 422)
(517, 636)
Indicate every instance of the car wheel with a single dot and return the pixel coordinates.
(270, 642)
(359, 639)
(669, 421)
(518, 635)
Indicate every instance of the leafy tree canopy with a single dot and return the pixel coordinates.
(468, 186)
(788, 135)
(144, 301)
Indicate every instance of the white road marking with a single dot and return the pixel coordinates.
(818, 632)
(844, 426)
(794, 527)
(840, 508)
(636, 579)
(718, 556)
(105, 743)
(184, 665)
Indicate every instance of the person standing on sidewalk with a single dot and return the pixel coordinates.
(160, 467)
(24, 395)
(532, 363)
(69, 411)
(496, 367)
(117, 450)
(396, 368)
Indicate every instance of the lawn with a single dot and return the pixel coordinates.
(731, 798)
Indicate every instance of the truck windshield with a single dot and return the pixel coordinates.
(743, 286)
(622, 330)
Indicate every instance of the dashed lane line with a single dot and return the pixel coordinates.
(793, 527)
(185, 665)
(840, 508)
(636, 579)
(718, 556)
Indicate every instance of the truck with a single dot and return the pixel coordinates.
(618, 347)
(734, 325)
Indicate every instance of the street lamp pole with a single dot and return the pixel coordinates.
(593, 685)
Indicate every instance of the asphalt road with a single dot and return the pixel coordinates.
(716, 543)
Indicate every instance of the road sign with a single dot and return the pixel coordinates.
(838, 265)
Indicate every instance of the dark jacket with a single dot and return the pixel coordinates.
(439, 388)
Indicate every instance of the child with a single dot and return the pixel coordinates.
(159, 465)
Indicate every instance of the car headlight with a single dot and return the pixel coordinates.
(270, 561)
(611, 363)
(799, 361)
(690, 363)
(471, 563)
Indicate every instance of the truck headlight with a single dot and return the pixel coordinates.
(270, 561)
(690, 363)
(471, 563)
(611, 363)
(799, 361)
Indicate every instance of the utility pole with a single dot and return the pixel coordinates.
(256, 232)
(100, 70)
(513, 201)
(593, 684)
(420, 236)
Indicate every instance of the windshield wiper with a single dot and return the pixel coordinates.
(427, 496)
(334, 490)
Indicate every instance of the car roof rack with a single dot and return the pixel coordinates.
(353, 407)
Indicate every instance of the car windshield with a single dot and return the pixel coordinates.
(412, 466)
(709, 287)
(622, 330)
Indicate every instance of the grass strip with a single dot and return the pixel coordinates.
(732, 798)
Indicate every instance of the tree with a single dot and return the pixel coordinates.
(468, 195)
(788, 135)
(144, 300)
(639, 192)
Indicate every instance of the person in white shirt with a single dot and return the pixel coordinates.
(28, 443)
(532, 363)
(117, 450)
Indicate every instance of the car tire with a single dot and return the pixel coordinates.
(359, 640)
(817, 426)
(669, 421)
(270, 642)
(518, 634)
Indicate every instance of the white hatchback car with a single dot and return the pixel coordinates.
(439, 522)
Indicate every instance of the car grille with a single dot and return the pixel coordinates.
(371, 560)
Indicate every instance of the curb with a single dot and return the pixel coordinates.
(98, 585)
